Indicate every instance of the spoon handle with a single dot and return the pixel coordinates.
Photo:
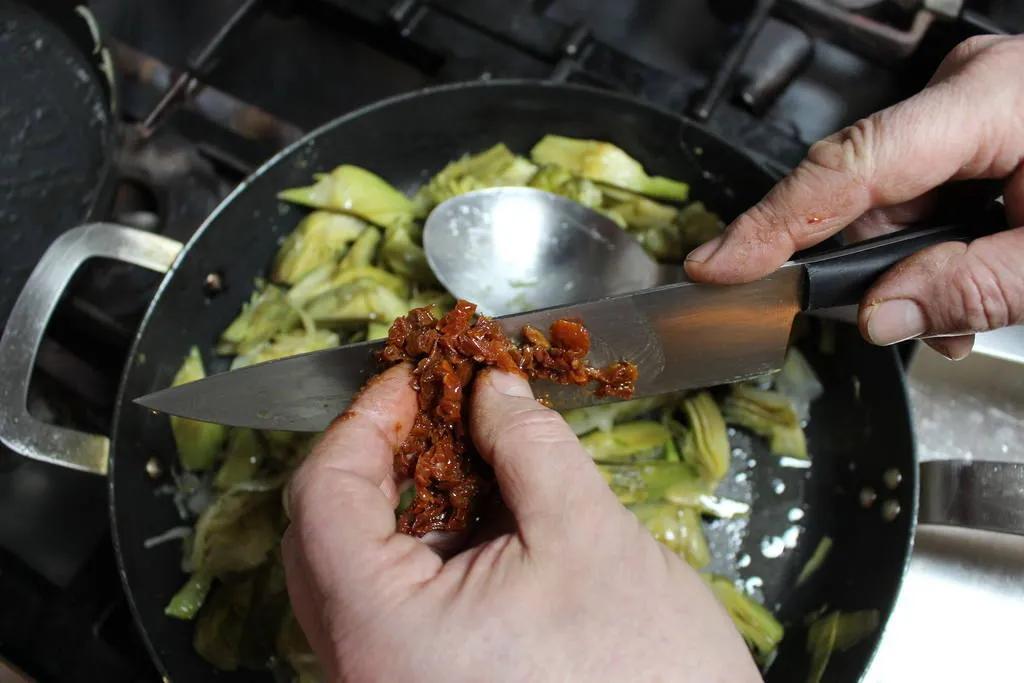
(842, 277)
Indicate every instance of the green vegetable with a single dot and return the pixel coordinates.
(186, 602)
(837, 631)
(276, 437)
(291, 453)
(401, 255)
(243, 457)
(405, 499)
(627, 441)
(395, 283)
(605, 163)
(817, 559)
(362, 251)
(286, 345)
(855, 627)
(694, 494)
(268, 610)
(559, 181)
(605, 416)
(355, 190)
(697, 225)
(679, 529)
(361, 301)
(637, 482)
(769, 414)
(494, 167)
(758, 627)
(320, 239)
(238, 529)
(198, 443)
(673, 482)
(797, 381)
(665, 232)
(639, 212)
(293, 648)
(312, 284)
(672, 451)
(268, 313)
(376, 331)
(441, 301)
(218, 633)
(706, 444)
(324, 279)
(673, 241)
(821, 641)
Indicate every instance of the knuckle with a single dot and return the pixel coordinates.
(533, 423)
(967, 49)
(983, 302)
(760, 227)
(848, 152)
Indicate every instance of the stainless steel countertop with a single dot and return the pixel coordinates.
(959, 613)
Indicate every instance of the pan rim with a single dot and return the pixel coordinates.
(310, 137)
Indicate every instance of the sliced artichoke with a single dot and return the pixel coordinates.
(320, 239)
(706, 444)
(769, 414)
(198, 443)
(678, 528)
(604, 163)
(633, 440)
(759, 628)
(605, 416)
(354, 190)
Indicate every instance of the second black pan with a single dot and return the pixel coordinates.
(859, 430)
(56, 131)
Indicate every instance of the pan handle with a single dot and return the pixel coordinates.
(973, 494)
(19, 430)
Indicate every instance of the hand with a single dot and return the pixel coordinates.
(879, 174)
(577, 590)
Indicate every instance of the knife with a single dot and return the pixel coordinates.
(681, 336)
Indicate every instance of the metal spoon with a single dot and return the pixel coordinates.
(515, 249)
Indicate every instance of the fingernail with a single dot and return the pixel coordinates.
(705, 251)
(954, 348)
(509, 384)
(894, 321)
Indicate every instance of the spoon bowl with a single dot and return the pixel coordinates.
(516, 249)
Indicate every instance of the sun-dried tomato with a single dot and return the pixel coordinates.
(449, 476)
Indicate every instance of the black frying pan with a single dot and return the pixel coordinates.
(56, 131)
(859, 431)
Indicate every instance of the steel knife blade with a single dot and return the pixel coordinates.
(680, 336)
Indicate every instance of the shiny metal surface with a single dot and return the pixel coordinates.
(681, 336)
(962, 601)
(19, 430)
(959, 612)
(514, 249)
(983, 495)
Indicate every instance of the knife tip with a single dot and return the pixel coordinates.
(146, 402)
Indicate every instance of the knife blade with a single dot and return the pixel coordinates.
(680, 336)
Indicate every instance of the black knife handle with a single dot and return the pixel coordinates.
(843, 277)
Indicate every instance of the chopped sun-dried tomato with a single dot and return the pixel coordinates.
(438, 455)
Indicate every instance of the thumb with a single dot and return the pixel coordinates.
(342, 539)
(950, 290)
(547, 479)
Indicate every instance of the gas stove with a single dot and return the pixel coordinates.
(208, 90)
